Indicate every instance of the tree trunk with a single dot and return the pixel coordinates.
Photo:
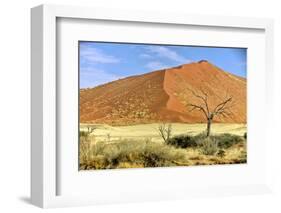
(209, 126)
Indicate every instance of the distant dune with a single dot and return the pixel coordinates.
(163, 96)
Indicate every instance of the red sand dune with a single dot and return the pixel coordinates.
(163, 96)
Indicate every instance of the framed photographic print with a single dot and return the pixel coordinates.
(129, 106)
(161, 105)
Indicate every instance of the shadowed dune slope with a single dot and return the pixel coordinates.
(163, 96)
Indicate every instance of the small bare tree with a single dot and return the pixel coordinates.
(108, 135)
(91, 129)
(221, 109)
(165, 131)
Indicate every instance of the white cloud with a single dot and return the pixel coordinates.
(242, 63)
(166, 52)
(156, 65)
(144, 55)
(95, 55)
(91, 77)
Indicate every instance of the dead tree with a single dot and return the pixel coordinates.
(91, 129)
(165, 131)
(222, 109)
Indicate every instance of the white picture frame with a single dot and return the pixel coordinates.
(45, 178)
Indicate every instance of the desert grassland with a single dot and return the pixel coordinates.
(150, 131)
(140, 146)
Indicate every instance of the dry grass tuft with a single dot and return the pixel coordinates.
(128, 154)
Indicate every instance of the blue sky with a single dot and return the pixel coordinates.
(104, 62)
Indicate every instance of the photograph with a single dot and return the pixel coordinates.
(161, 105)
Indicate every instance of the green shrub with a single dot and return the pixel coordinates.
(226, 140)
(245, 135)
(209, 146)
(183, 141)
(223, 141)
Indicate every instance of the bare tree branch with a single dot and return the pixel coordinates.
(205, 100)
(91, 129)
(165, 131)
(200, 108)
(220, 108)
(202, 98)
